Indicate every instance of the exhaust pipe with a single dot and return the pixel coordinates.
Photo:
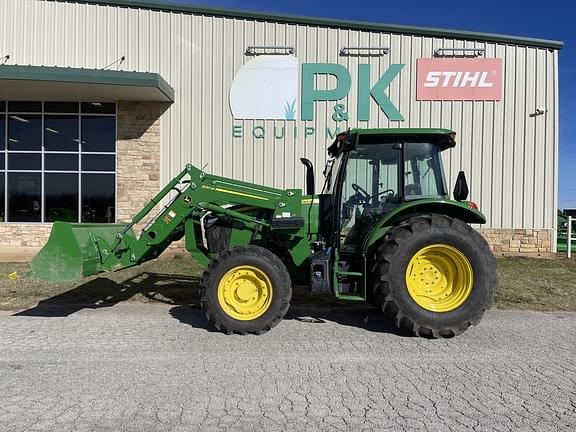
(309, 176)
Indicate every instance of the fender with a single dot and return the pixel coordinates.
(456, 209)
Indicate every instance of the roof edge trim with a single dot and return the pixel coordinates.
(87, 76)
(324, 22)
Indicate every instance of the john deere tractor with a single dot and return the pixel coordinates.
(383, 230)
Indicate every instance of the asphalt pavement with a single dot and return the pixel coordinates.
(137, 367)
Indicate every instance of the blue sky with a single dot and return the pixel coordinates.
(552, 19)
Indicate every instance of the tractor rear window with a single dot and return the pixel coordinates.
(423, 171)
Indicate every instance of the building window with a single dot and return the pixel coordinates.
(57, 162)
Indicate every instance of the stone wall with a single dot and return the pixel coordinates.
(524, 242)
(23, 235)
(138, 163)
(138, 157)
(503, 242)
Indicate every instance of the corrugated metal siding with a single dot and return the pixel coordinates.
(510, 158)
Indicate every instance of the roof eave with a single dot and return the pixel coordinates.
(73, 78)
(326, 22)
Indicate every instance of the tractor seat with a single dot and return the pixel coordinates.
(413, 189)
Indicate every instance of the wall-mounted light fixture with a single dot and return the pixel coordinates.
(539, 112)
(117, 62)
(459, 52)
(269, 50)
(364, 51)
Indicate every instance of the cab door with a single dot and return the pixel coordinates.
(369, 188)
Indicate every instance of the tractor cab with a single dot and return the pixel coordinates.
(375, 171)
(376, 179)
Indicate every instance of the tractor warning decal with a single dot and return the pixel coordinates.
(169, 216)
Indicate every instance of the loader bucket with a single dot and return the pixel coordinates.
(71, 252)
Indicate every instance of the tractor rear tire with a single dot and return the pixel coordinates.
(246, 289)
(434, 276)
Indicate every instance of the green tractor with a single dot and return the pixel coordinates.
(382, 230)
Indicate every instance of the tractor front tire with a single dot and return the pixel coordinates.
(434, 276)
(246, 289)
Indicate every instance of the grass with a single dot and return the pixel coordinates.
(172, 280)
(524, 283)
(536, 284)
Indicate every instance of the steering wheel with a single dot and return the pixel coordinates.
(365, 196)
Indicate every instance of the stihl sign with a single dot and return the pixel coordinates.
(459, 79)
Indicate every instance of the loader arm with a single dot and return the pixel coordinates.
(195, 194)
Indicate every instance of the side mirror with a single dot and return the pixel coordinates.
(461, 187)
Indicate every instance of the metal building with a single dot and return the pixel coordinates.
(140, 88)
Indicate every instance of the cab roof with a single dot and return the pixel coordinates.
(401, 131)
(443, 138)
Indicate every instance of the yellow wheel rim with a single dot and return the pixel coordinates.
(439, 278)
(245, 293)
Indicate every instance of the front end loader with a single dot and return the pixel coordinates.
(383, 230)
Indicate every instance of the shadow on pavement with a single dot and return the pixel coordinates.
(192, 316)
(104, 292)
(365, 317)
(183, 293)
(360, 316)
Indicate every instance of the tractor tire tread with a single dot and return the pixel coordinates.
(387, 254)
(209, 278)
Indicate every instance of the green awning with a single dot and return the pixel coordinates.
(71, 84)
